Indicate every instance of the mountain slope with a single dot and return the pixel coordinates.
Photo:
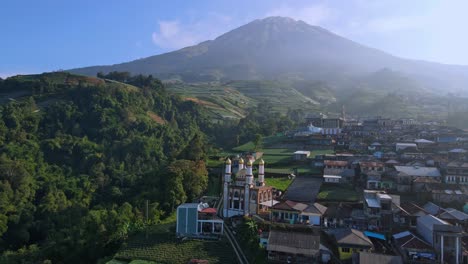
(278, 47)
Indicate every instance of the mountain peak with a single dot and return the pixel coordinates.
(273, 48)
(278, 19)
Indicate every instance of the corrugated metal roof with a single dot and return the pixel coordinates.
(303, 152)
(430, 220)
(375, 235)
(402, 234)
(372, 258)
(293, 242)
(419, 171)
(353, 237)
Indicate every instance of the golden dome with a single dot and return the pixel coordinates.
(262, 162)
(228, 162)
(249, 163)
(241, 161)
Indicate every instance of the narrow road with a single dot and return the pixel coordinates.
(230, 236)
(237, 249)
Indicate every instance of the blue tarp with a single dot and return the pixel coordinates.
(375, 235)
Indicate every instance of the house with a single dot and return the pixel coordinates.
(301, 155)
(446, 138)
(454, 217)
(296, 212)
(445, 195)
(366, 166)
(339, 175)
(371, 173)
(457, 173)
(423, 143)
(374, 258)
(293, 247)
(450, 215)
(349, 241)
(315, 213)
(332, 178)
(423, 184)
(198, 220)
(444, 237)
(405, 146)
(376, 146)
(457, 154)
(408, 213)
(288, 211)
(407, 174)
(433, 209)
(323, 121)
(338, 171)
(336, 164)
(378, 210)
(338, 215)
(412, 248)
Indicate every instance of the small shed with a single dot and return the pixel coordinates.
(301, 155)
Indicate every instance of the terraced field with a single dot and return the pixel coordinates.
(233, 99)
(162, 246)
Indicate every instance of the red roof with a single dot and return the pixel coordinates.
(209, 210)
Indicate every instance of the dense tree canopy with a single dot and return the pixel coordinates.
(79, 158)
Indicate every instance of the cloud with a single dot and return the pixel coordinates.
(174, 34)
(313, 14)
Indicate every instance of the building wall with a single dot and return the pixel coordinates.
(314, 220)
(192, 216)
(347, 252)
(425, 232)
(187, 221)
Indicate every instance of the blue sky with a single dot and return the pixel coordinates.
(47, 35)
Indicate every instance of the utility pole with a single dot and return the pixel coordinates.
(146, 228)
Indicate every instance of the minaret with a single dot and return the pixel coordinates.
(227, 180)
(241, 163)
(261, 173)
(248, 183)
(343, 113)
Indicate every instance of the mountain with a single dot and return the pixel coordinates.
(284, 48)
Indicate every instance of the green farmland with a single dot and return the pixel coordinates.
(162, 246)
(337, 192)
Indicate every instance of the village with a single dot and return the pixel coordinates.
(373, 190)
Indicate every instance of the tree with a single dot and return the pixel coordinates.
(258, 142)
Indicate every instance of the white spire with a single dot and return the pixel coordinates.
(261, 172)
(249, 174)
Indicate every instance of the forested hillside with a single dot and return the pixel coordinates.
(79, 157)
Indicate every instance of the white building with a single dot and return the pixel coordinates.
(243, 195)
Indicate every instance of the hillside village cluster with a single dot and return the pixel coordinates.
(412, 205)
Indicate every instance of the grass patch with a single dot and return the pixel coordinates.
(139, 261)
(279, 183)
(114, 261)
(162, 246)
(214, 185)
(337, 192)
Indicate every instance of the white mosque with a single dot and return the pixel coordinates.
(243, 195)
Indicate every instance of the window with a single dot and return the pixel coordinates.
(345, 250)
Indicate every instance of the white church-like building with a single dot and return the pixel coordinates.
(244, 195)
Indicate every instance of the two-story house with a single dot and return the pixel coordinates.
(457, 172)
